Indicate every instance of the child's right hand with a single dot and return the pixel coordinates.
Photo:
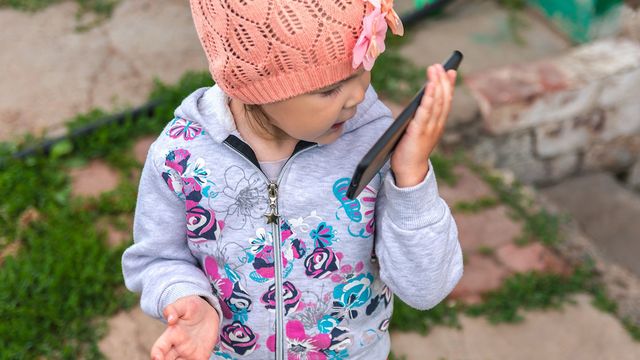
(192, 330)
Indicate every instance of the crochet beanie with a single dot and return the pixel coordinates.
(263, 51)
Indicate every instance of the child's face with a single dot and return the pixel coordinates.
(318, 116)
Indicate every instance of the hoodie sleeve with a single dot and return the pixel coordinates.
(159, 264)
(417, 242)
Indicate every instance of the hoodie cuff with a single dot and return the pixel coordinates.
(416, 206)
(180, 290)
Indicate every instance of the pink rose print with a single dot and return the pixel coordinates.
(238, 338)
(321, 262)
(202, 225)
(291, 297)
(347, 272)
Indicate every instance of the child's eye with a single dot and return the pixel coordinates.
(332, 92)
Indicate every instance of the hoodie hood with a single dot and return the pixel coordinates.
(209, 107)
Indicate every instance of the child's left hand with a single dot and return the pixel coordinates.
(410, 160)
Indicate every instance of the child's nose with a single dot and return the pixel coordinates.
(357, 96)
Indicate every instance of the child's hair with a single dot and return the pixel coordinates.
(266, 51)
(261, 122)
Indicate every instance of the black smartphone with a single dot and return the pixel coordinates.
(381, 151)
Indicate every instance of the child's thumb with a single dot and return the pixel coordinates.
(171, 314)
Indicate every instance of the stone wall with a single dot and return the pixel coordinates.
(553, 118)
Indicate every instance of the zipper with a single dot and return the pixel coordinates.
(273, 217)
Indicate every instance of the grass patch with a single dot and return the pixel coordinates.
(406, 318)
(476, 206)
(486, 250)
(527, 291)
(101, 7)
(56, 291)
(90, 12)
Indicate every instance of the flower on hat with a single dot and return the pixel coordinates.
(370, 44)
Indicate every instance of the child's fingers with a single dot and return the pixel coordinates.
(452, 77)
(447, 90)
(423, 113)
(173, 354)
(161, 347)
(437, 97)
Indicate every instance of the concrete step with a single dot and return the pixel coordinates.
(576, 332)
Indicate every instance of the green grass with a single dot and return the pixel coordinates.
(528, 291)
(90, 12)
(64, 280)
(102, 7)
(476, 206)
(406, 318)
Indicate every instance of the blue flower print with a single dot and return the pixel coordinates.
(352, 294)
(323, 236)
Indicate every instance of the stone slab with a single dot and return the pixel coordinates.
(54, 72)
(607, 212)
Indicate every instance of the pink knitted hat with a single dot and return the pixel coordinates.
(262, 51)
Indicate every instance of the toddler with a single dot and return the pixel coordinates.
(245, 242)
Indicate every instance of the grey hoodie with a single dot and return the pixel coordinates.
(313, 279)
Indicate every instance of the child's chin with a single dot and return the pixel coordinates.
(329, 137)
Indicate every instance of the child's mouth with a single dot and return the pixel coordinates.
(337, 126)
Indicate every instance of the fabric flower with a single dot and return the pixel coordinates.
(300, 345)
(392, 18)
(222, 287)
(177, 160)
(247, 195)
(347, 272)
(181, 128)
(238, 338)
(321, 262)
(291, 297)
(323, 235)
(202, 225)
(327, 323)
(351, 295)
(370, 44)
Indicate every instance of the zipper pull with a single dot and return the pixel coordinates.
(272, 214)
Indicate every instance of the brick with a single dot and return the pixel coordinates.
(481, 274)
(469, 187)
(141, 148)
(532, 257)
(488, 228)
(93, 179)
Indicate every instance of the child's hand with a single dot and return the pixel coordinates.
(409, 161)
(191, 333)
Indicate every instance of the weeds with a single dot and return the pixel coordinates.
(64, 279)
(90, 12)
(476, 206)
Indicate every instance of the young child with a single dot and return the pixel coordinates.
(245, 242)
